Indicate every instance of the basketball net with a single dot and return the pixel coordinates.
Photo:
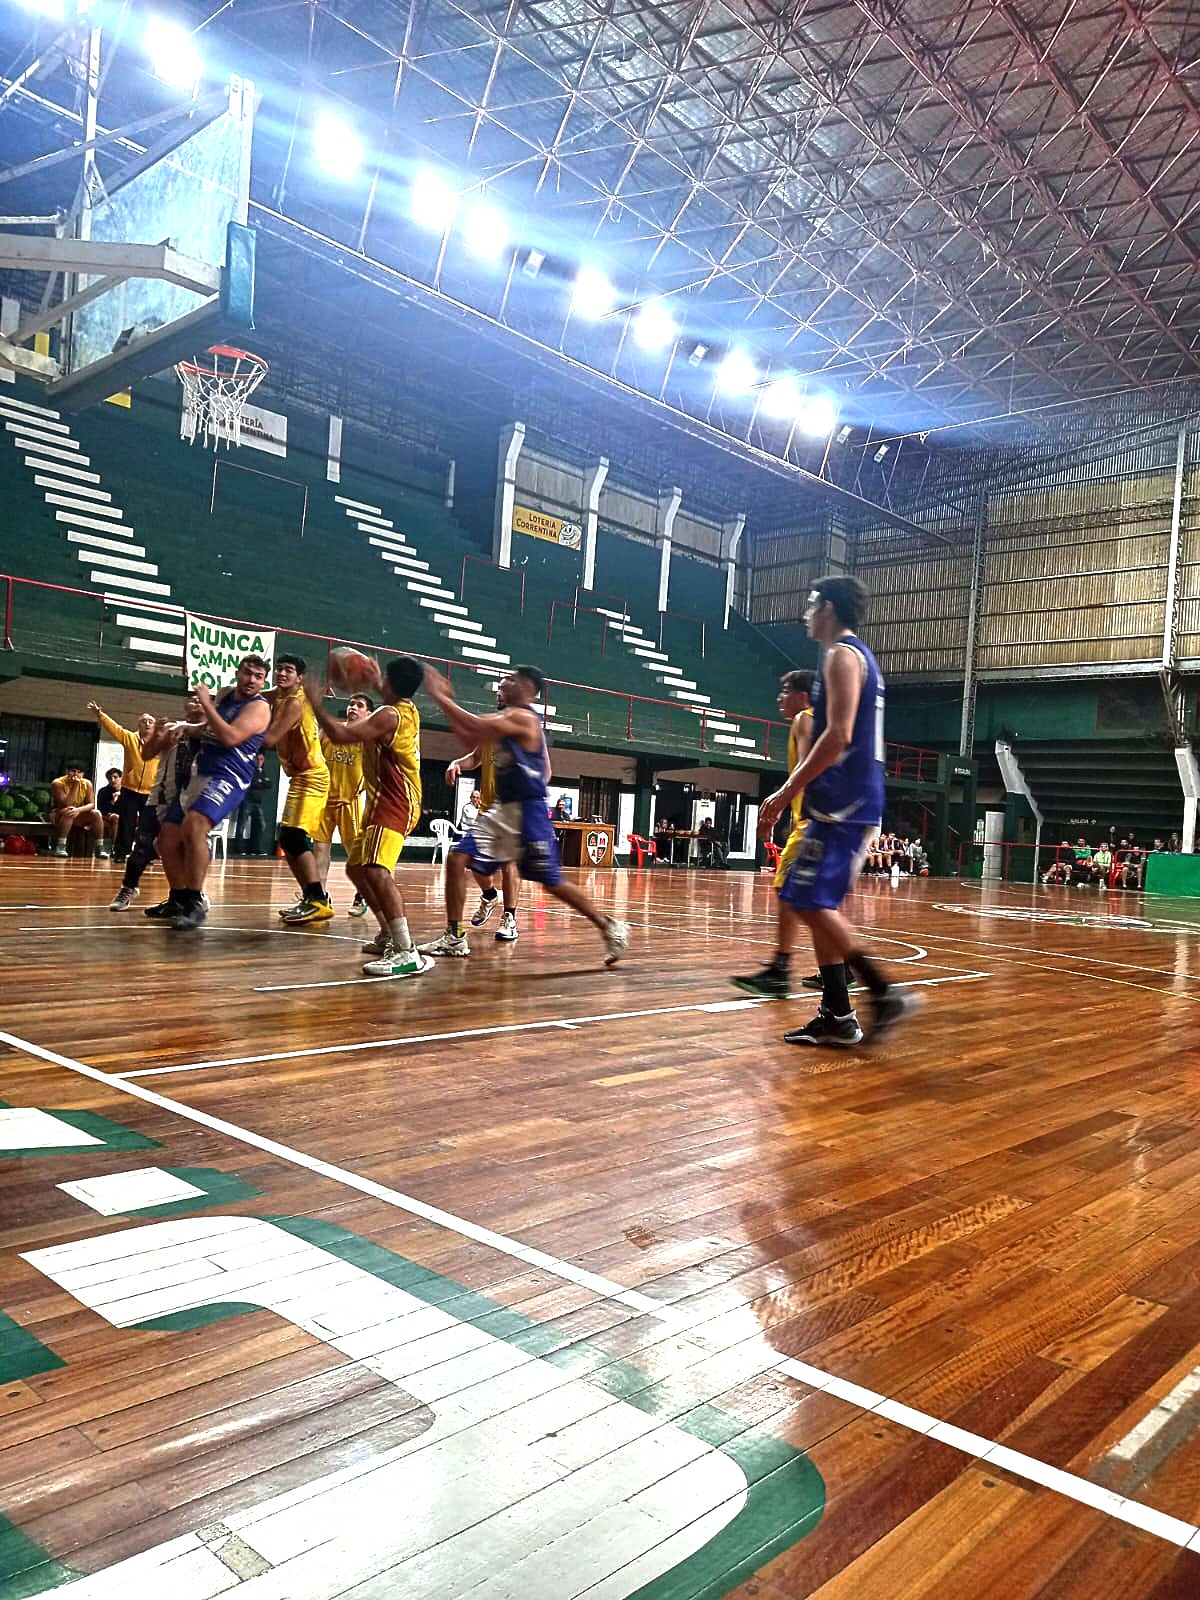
(216, 389)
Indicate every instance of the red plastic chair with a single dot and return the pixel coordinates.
(643, 848)
(772, 850)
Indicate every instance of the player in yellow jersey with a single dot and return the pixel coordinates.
(293, 731)
(390, 739)
(510, 878)
(795, 703)
(344, 808)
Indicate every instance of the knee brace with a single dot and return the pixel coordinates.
(294, 841)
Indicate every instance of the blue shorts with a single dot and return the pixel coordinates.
(508, 833)
(830, 857)
(215, 796)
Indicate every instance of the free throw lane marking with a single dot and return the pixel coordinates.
(1082, 1490)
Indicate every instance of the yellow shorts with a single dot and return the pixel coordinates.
(790, 851)
(305, 801)
(343, 817)
(376, 846)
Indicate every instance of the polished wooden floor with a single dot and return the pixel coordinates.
(529, 1278)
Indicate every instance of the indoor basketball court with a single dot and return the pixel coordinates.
(935, 1301)
(686, 454)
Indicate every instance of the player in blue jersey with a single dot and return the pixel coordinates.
(842, 776)
(231, 735)
(518, 827)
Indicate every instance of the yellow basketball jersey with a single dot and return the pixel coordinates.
(299, 750)
(487, 778)
(793, 757)
(345, 762)
(392, 769)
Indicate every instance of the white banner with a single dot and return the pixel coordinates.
(261, 430)
(212, 650)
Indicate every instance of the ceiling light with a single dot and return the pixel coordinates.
(882, 451)
(698, 354)
(782, 399)
(593, 295)
(737, 373)
(485, 231)
(817, 416)
(337, 147)
(654, 327)
(535, 260)
(48, 8)
(433, 202)
(844, 433)
(173, 56)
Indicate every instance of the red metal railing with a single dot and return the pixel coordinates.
(482, 561)
(683, 617)
(1009, 856)
(603, 594)
(901, 760)
(575, 609)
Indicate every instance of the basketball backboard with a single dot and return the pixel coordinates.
(161, 263)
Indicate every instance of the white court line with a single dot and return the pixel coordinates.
(1082, 1490)
(483, 1033)
(1156, 1420)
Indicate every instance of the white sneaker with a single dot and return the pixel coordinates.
(358, 907)
(59, 847)
(123, 899)
(377, 946)
(484, 910)
(450, 944)
(616, 941)
(399, 964)
(508, 931)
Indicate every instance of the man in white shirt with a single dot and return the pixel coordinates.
(469, 814)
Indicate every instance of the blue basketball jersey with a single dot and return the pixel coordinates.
(852, 789)
(238, 762)
(520, 773)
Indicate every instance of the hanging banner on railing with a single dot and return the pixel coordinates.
(539, 525)
(212, 650)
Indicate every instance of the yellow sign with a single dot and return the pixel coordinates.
(538, 525)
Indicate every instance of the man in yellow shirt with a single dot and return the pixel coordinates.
(794, 701)
(73, 805)
(293, 731)
(344, 808)
(390, 740)
(139, 776)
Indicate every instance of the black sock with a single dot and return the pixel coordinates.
(315, 891)
(780, 962)
(835, 997)
(489, 894)
(865, 970)
(509, 911)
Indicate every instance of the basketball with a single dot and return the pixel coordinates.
(350, 670)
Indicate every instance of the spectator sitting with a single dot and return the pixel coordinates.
(107, 802)
(562, 811)
(1082, 852)
(73, 805)
(1101, 865)
(709, 845)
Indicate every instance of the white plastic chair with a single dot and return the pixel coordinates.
(443, 832)
(219, 836)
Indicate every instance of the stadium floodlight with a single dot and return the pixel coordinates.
(337, 147)
(737, 373)
(485, 231)
(593, 296)
(654, 327)
(173, 56)
(882, 452)
(817, 416)
(433, 202)
(782, 399)
(47, 8)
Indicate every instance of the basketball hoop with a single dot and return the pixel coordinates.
(216, 389)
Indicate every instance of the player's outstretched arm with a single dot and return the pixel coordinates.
(381, 724)
(253, 719)
(511, 723)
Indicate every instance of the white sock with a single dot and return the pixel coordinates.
(399, 935)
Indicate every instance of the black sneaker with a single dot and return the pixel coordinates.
(889, 1009)
(768, 984)
(162, 912)
(824, 1029)
(812, 982)
(191, 917)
